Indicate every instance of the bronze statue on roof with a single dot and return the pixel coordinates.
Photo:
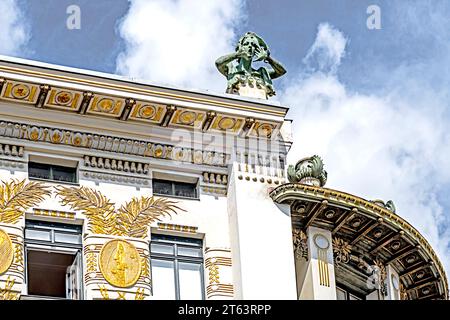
(242, 78)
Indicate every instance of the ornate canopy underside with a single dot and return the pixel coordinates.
(374, 234)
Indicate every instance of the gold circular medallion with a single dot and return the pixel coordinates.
(187, 117)
(20, 91)
(147, 112)
(265, 130)
(6, 252)
(120, 263)
(226, 123)
(63, 97)
(106, 105)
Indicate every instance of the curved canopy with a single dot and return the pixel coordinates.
(371, 233)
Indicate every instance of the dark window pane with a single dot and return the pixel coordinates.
(185, 190)
(39, 171)
(162, 187)
(52, 172)
(64, 174)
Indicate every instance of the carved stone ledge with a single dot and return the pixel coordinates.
(6, 164)
(215, 178)
(11, 150)
(214, 191)
(129, 180)
(116, 165)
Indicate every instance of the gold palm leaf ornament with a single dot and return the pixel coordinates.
(134, 217)
(130, 220)
(99, 211)
(18, 196)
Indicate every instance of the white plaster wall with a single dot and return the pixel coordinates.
(264, 237)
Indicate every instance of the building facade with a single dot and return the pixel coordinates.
(117, 189)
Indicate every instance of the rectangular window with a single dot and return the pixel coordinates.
(52, 172)
(175, 188)
(53, 260)
(343, 294)
(177, 268)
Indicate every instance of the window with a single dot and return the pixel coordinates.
(177, 268)
(53, 260)
(343, 294)
(52, 172)
(174, 188)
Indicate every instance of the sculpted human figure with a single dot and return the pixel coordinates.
(237, 66)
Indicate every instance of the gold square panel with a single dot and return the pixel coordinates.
(264, 129)
(148, 112)
(58, 98)
(224, 123)
(20, 91)
(188, 118)
(106, 106)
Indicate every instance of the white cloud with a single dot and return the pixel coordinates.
(327, 50)
(388, 146)
(177, 42)
(13, 31)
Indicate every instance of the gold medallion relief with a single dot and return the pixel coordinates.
(6, 252)
(120, 263)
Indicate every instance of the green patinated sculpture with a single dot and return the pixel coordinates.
(308, 171)
(250, 48)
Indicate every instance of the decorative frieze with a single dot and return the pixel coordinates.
(177, 227)
(118, 106)
(98, 176)
(116, 165)
(111, 144)
(54, 213)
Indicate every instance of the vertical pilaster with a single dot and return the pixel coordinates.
(261, 239)
(392, 284)
(316, 276)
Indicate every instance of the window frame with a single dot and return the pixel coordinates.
(173, 184)
(52, 247)
(51, 168)
(175, 241)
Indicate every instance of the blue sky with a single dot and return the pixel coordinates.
(378, 113)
